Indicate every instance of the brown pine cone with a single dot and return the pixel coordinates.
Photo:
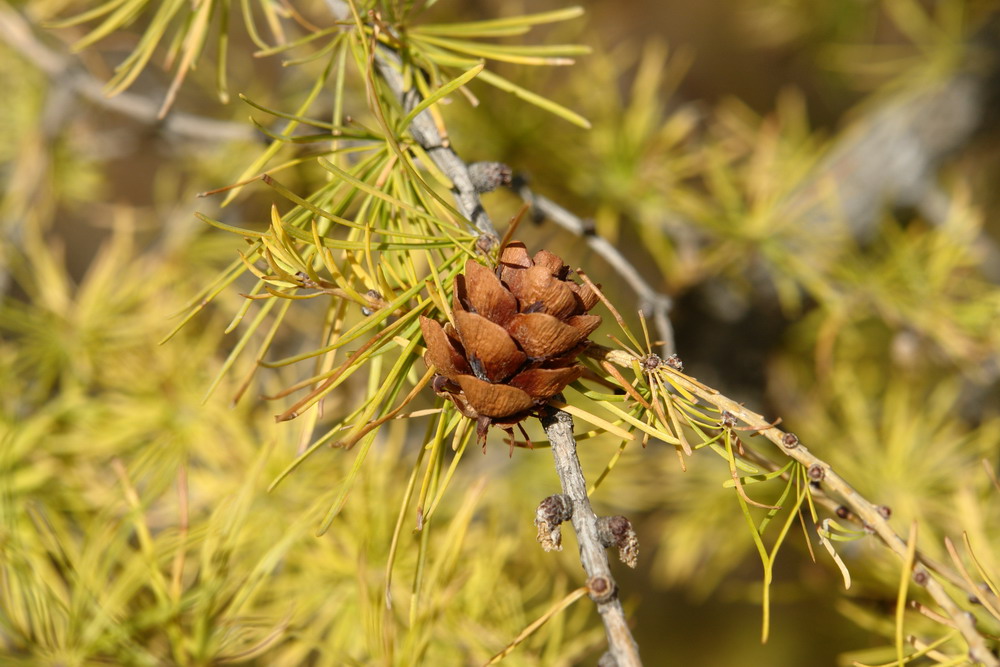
(516, 337)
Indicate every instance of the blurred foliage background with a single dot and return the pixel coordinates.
(137, 525)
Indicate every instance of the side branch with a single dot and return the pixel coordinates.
(603, 589)
(869, 513)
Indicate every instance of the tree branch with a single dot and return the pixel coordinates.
(867, 511)
(870, 514)
(603, 589)
(425, 132)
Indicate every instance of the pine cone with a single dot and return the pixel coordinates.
(516, 337)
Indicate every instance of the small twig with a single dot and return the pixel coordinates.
(651, 302)
(603, 589)
(874, 517)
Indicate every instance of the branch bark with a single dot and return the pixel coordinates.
(603, 589)
(425, 132)
(833, 484)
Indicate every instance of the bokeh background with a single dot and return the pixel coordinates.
(138, 526)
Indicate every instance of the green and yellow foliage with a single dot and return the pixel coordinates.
(217, 443)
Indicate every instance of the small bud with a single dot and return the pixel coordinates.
(728, 419)
(816, 473)
(843, 512)
(650, 362)
(790, 441)
(375, 300)
(552, 512)
(884, 511)
(617, 531)
(485, 243)
(674, 362)
(601, 589)
(920, 577)
(488, 176)
(305, 280)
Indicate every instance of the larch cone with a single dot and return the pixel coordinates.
(516, 336)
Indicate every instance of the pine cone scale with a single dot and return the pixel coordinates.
(513, 259)
(546, 382)
(541, 335)
(441, 353)
(551, 263)
(538, 285)
(490, 344)
(494, 400)
(485, 294)
(588, 297)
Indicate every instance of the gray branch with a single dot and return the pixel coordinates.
(603, 589)
(651, 302)
(425, 132)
